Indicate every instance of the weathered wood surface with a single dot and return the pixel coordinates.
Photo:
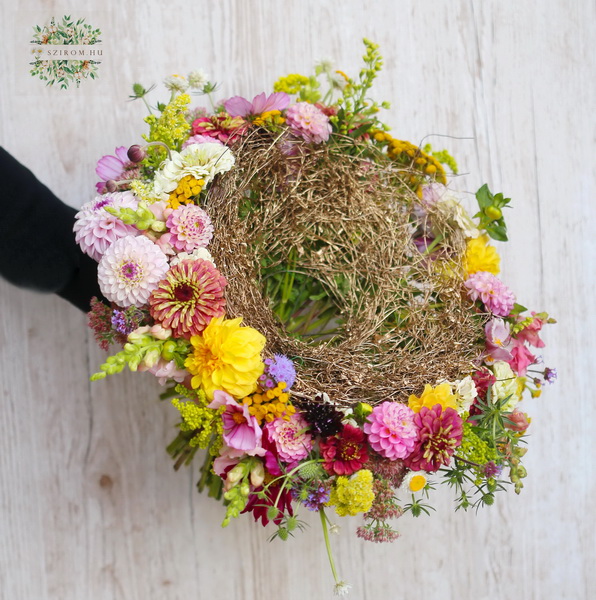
(90, 506)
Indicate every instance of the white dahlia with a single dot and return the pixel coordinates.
(130, 269)
(96, 229)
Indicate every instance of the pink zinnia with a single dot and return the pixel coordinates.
(221, 127)
(308, 122)
(495, 295)
(190, 227)
(237, 106)
(188, 298)
(439, 434)
(344, 453)
(292, 442)
(241, 430)
(114, 167)
(96, 229)
(391, 431)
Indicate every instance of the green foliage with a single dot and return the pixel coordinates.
(491, 214)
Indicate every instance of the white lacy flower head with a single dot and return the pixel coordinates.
(197, 79)
(194, 255)
(176, 83)
(130, 269)
(342, 588)
(450, 205)
(506, 385)
(201, 161)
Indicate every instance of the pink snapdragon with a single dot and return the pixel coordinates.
(521, 359)
(530, 333)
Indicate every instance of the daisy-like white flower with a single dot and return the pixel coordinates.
(190, 227)
(176, 83)
(197, 79)
(96, 229)
(194, 255)
(130, 269)
(200, 161)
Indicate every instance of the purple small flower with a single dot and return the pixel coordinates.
(550, 375)
(491, 469)
(279, 368)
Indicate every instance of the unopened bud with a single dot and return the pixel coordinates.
(111, 185)
(136, 153)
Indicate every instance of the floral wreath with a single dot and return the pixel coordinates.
(324, 312)
(67, 32)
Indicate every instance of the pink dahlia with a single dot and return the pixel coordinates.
(237, 106)
(391, 431)
(495, 295)
(241, 430)
(190, 227)
(114, 167)
(96, 229)
(188, 298)
(308, 122)
(200, 139)
(439, 434)
(292, 442)
(344, 453)
(130, 269)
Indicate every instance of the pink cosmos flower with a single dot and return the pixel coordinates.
(241, 429)
(237, 106)
(495, 295)
(308, 122)
(498, 340)
(113, 167)
(391, 431)
(521, 359)
(291, 441)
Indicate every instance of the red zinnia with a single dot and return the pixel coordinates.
(188, 298)
(344, 453)
(440, 433)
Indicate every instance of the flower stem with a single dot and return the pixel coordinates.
(327, 544)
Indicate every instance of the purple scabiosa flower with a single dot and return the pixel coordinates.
(190, 227)
(495, 295)
(314, 495)
(96, 229)
(130, 269)
(277, 370)
(308, 122)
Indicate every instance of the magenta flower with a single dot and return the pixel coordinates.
(498, 340)
(308, 122)
(241, 429)
(391, 431)
(439, 434)
(521, 359)
(237, 106)
(495, 295)
(292, 442)
(112, 167)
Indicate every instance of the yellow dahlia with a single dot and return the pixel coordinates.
(480, 256)
(441, 394)
(226, 357)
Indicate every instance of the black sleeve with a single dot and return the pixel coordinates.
(37, 245)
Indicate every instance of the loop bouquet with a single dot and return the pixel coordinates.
(325, 314)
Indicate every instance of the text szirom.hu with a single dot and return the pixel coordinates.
(68, 52)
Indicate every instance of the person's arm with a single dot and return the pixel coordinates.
(37, 245)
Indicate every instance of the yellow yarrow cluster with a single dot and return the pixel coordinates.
(205, 421)
(352, 495)
(188, 188)
(481, 256)
(226, 357)
(270, 405)
(143, 191)
(270, 118)
(441, 394)
(171, 127)
(407, 153)
(290, 84)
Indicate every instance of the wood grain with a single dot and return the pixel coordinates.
(91, 507)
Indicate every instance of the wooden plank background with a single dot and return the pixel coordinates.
(90, 506)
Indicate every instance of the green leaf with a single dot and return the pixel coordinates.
(497, 232)
(484, 197)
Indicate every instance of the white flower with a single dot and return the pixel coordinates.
(466, 392)
(341, 588)
(176, 83)
(197, 79)
(194, 255)
(449, 205)
(130, 269)
(201, 161)
(506, 385)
